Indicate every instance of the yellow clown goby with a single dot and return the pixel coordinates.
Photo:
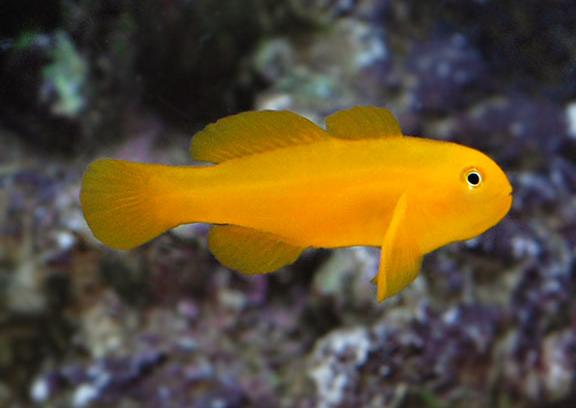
(280, 184)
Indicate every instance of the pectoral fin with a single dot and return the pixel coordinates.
(250, 251)
(400, 258)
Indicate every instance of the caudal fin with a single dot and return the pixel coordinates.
(124, 202)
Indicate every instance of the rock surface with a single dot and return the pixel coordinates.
(490, 322)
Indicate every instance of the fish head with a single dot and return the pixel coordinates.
(465, 193)
(479, 191)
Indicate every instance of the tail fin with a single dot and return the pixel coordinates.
(122, 202)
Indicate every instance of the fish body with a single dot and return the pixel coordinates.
(297, 186)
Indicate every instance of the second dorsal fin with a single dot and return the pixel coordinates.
(363, 122)
(249, 133)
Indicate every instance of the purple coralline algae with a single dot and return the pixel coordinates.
(490, 322)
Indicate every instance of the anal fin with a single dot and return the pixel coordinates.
(250, 251)
(400, 257)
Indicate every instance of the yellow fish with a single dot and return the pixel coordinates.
(281, 184)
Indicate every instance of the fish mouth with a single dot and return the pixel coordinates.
(509, 198)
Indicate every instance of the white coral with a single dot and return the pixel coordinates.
(335, 362)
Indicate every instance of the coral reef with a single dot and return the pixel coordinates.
(490, 322)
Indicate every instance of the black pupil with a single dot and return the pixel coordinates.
(474, 179)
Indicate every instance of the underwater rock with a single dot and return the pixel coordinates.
(446, 74)
(337, 68)
(64, 80)
(514, 126)
(390, 362)
(335, 364)
(489, 321)
(346, 276)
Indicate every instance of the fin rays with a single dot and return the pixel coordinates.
(400, 259)
(363, 122)
(250, 251)
(250, 133)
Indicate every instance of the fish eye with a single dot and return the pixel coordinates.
(473, 178)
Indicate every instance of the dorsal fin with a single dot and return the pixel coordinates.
(249, 133)
(363, 122)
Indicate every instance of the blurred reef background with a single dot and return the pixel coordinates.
(490, 322)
